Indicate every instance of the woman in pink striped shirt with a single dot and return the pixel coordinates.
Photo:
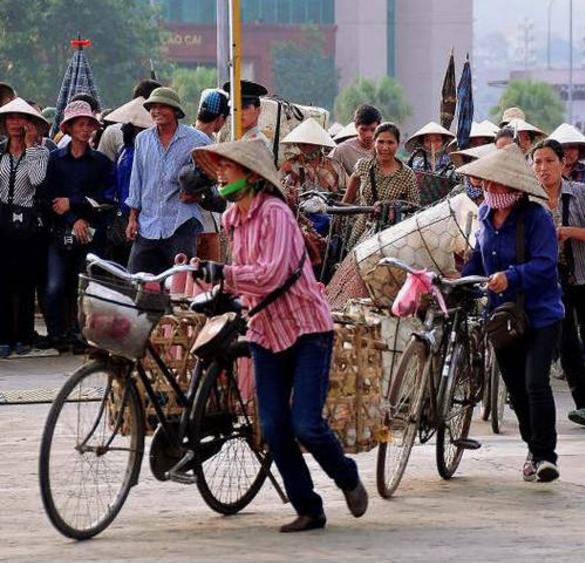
(291, 338)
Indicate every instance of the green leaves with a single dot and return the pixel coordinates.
(387, 95)
(541, 104)
(189, 84)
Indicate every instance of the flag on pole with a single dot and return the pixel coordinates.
(449, 95)
(464, 106)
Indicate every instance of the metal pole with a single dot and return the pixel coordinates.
(235, 94)
(550, 3)
(570, 97)
(223, 42)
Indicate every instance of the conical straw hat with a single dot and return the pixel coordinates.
(568, 135)
(311, 133)
(335, 129)
(132, 112)
(493, 126)
(253, 155)
(508, 167)
(521, 125)
(511, 113)
(430, 128)
(18, 105)
(483, 129)
(459, 158)
(346, 133)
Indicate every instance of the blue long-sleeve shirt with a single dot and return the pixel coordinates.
(536, 277)
(154, 184)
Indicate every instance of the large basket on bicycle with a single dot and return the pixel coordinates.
(117, 315)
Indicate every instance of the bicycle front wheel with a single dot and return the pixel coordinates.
(405, 400)
(455, 409)
(231, 465)
(91, 450)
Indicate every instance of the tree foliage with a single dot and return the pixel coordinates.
(303, 73)
(189, 83)
(539, 101)
(35, 48)
(387, 95)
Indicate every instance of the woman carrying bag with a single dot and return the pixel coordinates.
(291, 337)
(517, 248)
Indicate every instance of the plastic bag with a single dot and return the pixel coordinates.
(416, 285)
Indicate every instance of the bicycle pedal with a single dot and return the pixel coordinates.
(467, 444)
(176, 472)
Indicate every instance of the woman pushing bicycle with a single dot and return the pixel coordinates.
(290, 331)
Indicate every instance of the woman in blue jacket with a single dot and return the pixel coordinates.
(525, 365)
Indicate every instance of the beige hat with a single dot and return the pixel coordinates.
(430, 128)
(459, 158)
(253, 155)
(511, 113)
(487, 123)
(335, 128)
(132, 112)
(569, 135)
(18, 105)
(520, 125)
(483, 129)
(346, 133)
(506, 166)
(309, 132)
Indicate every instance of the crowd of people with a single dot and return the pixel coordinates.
(139, 187)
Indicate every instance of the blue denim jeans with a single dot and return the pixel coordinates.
(292, 387)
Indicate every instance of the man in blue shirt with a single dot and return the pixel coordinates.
(160, 223)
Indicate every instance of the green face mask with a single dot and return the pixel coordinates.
(229, 190)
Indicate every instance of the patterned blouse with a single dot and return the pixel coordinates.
(399, 185)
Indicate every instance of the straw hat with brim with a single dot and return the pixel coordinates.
(566, 134)
(512, 113)
(18, 105)
(508, 167)
(459, 158)
(165, 96)
(521, 125)
(309, 132)
(346, 132)
(75, 109)
(253, 155)
(492, 126)
(481, 130)
(430, 128)
(132, 112)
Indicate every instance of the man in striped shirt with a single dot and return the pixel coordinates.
(160, 223)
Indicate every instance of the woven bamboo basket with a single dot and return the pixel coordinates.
(354, 400)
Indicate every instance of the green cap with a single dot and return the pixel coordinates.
(166, 96)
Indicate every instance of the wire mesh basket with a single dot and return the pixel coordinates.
(118, 316)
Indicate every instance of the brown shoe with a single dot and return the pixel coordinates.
(357, 500)
(303, 523)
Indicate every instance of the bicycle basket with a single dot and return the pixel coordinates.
(118, 316)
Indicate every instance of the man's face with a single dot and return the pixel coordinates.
(571, 155)
(366, 134)
(250, 116)
(218, 124)
(162, 114)
(503, 142)
(524, 140)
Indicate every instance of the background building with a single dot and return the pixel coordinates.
(407, 39)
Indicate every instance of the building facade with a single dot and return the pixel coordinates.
(407, 39)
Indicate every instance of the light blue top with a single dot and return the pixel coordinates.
(154, 184)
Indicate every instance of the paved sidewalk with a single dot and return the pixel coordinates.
(486, 513)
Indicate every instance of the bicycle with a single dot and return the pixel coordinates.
(94, 437)
(437, 383)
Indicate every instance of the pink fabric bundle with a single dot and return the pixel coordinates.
(417, 284)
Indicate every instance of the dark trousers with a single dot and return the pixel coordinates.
(63, 268)
(156, 255)
(573, 337)
(303, 372)
(17, 290)
(525, 368)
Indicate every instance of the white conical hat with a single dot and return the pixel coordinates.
(335, 129)
(521, 125)
(309, 132)
(460, 157)
(347, 132)
(567, 134)
(511, 113)
(18, 105)
(487, 123)
(430, 128)
(482, 129)
(506, 166)
(132, 112)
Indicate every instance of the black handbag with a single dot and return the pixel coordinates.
(18, 222)
(116, 229)
(508, 323)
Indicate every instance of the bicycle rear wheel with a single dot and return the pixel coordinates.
(231, 466)
(405, 397)
(455, 409)
(91, 450)
(499, 394)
